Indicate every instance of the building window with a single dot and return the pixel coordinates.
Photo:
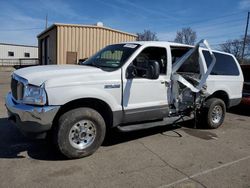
(11, 54)
(26, 54)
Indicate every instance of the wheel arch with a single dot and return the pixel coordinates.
(223, 95)
(97, 104)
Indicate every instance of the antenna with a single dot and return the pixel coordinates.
(245, 37)
(46, 21)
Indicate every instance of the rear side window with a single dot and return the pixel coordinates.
(191, 65)
(224, 65)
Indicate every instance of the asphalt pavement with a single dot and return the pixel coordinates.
(171, 156)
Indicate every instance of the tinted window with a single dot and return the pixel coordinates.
(113, 56)
(177, 53)
(10, 54)
(26, 54)
(158, 54)
(224, 65)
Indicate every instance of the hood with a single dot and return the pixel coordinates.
(57, 74)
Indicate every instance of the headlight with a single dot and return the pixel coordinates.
(34, 95)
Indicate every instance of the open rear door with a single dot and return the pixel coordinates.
(185, 85)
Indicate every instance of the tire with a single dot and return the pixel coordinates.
(79, 133)
(213, 114)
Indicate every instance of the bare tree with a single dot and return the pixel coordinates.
(147, 35)
(235, 47)
(186, 36)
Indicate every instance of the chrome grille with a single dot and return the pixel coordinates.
(17, 88)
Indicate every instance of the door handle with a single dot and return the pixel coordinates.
(165, 82)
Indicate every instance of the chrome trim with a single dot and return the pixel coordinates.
(26, 84)
(23, 81)
(82, 134)
(112, 86)
(43, 115)
(20, 79)
(217, 114)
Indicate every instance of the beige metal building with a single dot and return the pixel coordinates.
(69, 44)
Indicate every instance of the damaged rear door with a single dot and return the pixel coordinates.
(189, 75)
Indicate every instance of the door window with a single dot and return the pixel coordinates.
(158, 54)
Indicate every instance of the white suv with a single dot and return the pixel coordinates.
(128, 86)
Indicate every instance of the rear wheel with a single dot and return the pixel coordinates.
(80, 132)
(214, 113)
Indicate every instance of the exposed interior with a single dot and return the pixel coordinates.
(190, 69)
(182, 96)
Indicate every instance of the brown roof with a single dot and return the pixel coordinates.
(80, 25)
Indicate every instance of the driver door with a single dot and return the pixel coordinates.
(146, 99)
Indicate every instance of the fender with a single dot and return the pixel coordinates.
(61, 96)
(228, 84)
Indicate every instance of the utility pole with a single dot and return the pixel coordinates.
(46, 22)
(245, 38)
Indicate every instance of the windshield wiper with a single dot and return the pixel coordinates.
(92, 65)
(106, 66)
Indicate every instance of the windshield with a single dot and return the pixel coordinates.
(112, 56)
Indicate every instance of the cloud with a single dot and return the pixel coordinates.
(244, 4)
(145, 10)
(57, 7)
(17, 26)
(22, 22)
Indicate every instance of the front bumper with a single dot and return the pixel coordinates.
(31, 120)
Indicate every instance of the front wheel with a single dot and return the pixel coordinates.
(80, 132)
(213, 114)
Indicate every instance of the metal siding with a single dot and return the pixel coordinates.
(65, 44)
(84, 43)
(84, 40)
(74, 39)
(18, 51)
(113, 37)
(60, 35)
(68, 33)
(98, 40)
(53, 46)
(77, 42)
(94, 41)
(52, 34)
(87, 43)
(80, 43)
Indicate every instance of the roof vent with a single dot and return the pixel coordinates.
(100, 24)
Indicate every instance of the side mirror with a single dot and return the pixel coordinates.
(153, 70)
(131, 72)
(81, 61)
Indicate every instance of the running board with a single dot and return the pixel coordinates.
(140, 126)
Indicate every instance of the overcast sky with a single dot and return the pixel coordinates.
(215, 20)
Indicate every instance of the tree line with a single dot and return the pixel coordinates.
(188, 36)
